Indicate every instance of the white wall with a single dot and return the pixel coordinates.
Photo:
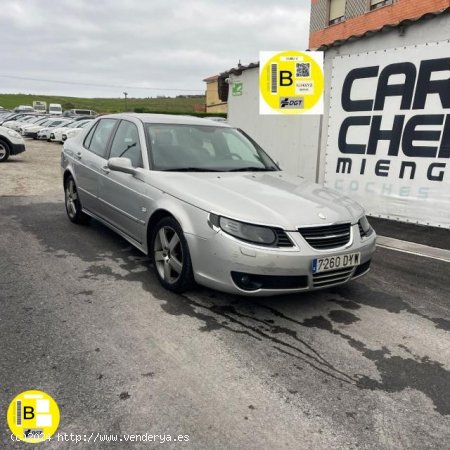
(431, 30)
(291, 140)
(390, 195)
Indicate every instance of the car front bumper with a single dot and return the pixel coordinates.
(221, 261)
(30, 134)
(17, 148)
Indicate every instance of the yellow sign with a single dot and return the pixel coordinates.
(291, 82)
(33, 416)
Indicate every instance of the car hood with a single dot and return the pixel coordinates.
(272, 198)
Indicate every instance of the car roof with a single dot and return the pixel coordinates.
(167, 119)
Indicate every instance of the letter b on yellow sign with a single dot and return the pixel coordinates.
(33, 416)
(291, 82)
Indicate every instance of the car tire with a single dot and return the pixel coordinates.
(171, 257)
(4, 151)
(73, 203)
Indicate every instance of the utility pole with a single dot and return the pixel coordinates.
(126, 106)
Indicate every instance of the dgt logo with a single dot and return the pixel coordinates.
(33, 416)
(291, 102)
(291, 82)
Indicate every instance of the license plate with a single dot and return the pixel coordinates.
(335, 262)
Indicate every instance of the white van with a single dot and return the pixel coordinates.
(40, 107)
(55, 109)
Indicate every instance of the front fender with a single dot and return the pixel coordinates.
(193, 220)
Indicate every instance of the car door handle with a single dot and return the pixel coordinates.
(106, 169)
(78, 155)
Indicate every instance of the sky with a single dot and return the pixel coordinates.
(101, 48)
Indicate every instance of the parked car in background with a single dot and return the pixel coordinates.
(11, 143)
(209, 205)
(12, 123)
(55, 109)
(79, 112)
(56, 134)
(32, 130)
(12, 116)
(44, 133)
(24, 109)
(24, 125)
(16, 124)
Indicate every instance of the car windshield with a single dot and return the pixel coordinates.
(203, 148)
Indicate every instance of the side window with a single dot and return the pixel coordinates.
(88, 138)
(126, 144)
(100, 137)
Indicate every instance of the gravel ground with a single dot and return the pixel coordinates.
(34, 172)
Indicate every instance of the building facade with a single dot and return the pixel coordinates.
(336, 20)
(213, 103)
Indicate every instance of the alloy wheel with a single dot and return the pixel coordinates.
(71, 198)
(168, 253)
(3, 152)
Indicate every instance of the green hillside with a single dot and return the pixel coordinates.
(110, 105)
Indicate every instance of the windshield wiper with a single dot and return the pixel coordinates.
(128, 148)
(191, 169)
(252, 169)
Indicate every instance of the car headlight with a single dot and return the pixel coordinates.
(13, 134)
(247, 232)
(364, 226)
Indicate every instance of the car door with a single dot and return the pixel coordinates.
(121, 194)
(91, 162)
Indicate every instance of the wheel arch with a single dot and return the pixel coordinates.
(6, 144)
(6, 141)
(153, 220)
(67, 173)
(188, 216)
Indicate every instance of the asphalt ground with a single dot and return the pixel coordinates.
(83, 318)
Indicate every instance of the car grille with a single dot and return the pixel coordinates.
(361, 231)
(327, 237)
(282, 239)
(323, 279)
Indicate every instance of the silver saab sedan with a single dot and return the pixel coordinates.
(210, 206)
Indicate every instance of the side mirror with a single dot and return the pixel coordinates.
(121, 165)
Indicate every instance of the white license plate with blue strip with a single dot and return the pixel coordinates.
(328, 263)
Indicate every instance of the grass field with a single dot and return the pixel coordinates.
(110, 105)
